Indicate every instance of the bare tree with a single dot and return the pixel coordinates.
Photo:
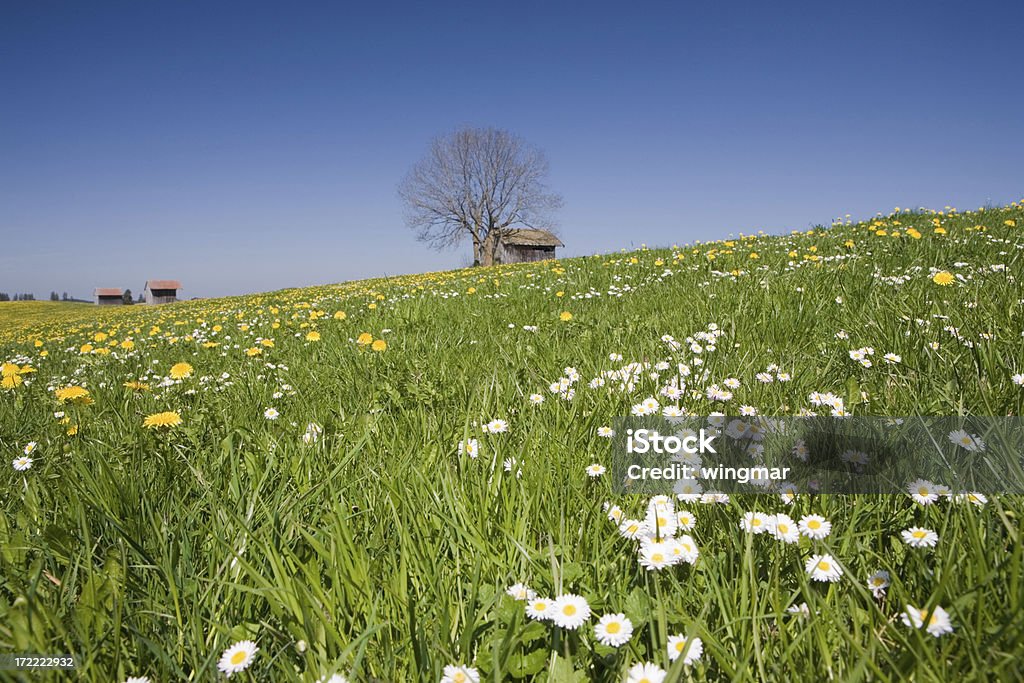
(480, 183)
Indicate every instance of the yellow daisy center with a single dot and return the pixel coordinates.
(657, 557)
(919, 534)
(613, 627)
(238, 657)
(824, 566)
(814, 524)
(569, 610)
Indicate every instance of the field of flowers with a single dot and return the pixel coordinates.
(406, 479)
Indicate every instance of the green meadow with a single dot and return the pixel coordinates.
(285, 468)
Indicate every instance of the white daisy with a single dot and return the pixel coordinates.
(30, 447)
(22, 463)
(632, 529)
(334, 678)
(656, 555)
(536, 399)
(683, 549)
(496, 426)
(801, 610)
(538, 608)
(646, 673)
(878, 582)
(457, 673)
(815, 527)
(1018, 379)
(685, 520)
(238, 657)
(613, 630)
(923, 492)
(969, 442)
(570, 611)
(469, 447)
(919, 537)
(137, 679)
(688, 490)
(595, 470)
(783, 528)
(690, 649)
(787, 492)
(823, 568)
(614, 512)
(605, 432)
(754, 522)
(938, 623)
(520, 591)
(271, 413)
(973, 497)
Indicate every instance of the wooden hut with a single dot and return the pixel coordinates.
(527, 244)
(108, 296)
(161, 291)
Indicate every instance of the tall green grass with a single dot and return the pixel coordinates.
(381, 553)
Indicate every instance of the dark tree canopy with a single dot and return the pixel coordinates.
(480, 183)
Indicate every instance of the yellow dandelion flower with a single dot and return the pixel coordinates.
(565, 316)
(914, 233)
(379, 345)
(313, 336)
(254, 351)
(127, 345)
(269, 343)
(340, 315)
(168, 418)
(364, 339)
(72, 430)
(11, 381)
(1011, 223)
(73, 394)
(180, 370)
(943, 277)
(136, 386)
(85, 348)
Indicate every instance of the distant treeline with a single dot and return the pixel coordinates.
(4, 296)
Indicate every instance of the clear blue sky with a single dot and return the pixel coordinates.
(245, 147)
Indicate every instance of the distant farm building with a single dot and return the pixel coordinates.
(161, 291)
(108, 296)
(527, 244)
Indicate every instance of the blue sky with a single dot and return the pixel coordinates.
(246, 147)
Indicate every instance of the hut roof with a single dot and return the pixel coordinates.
(163, 284)
(108, 291)
(529, 237)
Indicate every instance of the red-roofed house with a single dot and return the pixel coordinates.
(161, 291)
(108, 296)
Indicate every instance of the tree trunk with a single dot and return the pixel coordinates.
(489, 248)
(477, 252)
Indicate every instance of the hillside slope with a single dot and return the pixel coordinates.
(320, 471)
